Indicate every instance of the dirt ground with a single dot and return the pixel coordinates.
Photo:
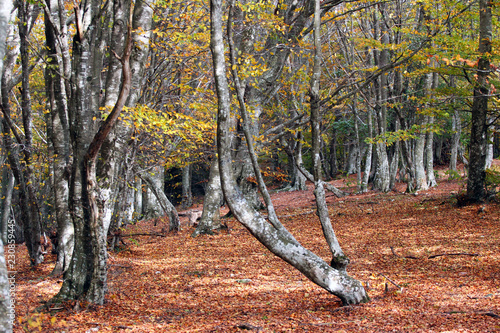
(428, 266)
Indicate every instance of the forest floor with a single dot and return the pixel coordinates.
(428, 267)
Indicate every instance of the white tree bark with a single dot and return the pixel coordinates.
(5, 302)
(278, 240)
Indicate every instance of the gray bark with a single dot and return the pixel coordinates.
(275, 238)
(187, 196)
(456, 127)
(489, 150)
(7, 314)
(6, 309)
(138, 198)
(6, 201)
(32, 221)
(382, 175)
(429, 156)
(58, 133)
(369, 153)
(85, 276)
(420, 175)
(156, 187)
(210, 218)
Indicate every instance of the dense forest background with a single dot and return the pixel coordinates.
(117, 111)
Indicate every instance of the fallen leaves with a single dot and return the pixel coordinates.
(230, 283)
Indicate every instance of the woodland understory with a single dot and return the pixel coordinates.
(427, 265)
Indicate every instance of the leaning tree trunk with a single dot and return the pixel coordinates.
(169, 209)
(276, 238)
(477, 145)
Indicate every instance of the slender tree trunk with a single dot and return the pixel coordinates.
(33, 225)
(187, 196)
(456, 128)
(489, 150)
(333, 155)
(420, 175)
(369, 153)
(429, 152)
(58, 133)
(382, 175)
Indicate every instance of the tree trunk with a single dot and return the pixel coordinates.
(477, 146)
(429, 153)
(489, 149)
(420, 175)
(7, 315)
(210, 218)
(58, 133)
(84, 277)
(6, 200)
(32, 225)
(456, 128)
(382, 175)
(165, 204)
(333, 155)
(369, 153)
(275, 238)
(187, 196)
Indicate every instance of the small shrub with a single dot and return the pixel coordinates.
(453, 175)
(492, 181)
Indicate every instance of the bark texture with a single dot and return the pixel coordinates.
(477, 146)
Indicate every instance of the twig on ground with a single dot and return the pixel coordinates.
(394, 283)
(453, 254)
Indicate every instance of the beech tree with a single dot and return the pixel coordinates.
(479, 127)
(6, 319)
(272, 234)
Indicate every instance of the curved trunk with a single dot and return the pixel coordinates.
(276, 239)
